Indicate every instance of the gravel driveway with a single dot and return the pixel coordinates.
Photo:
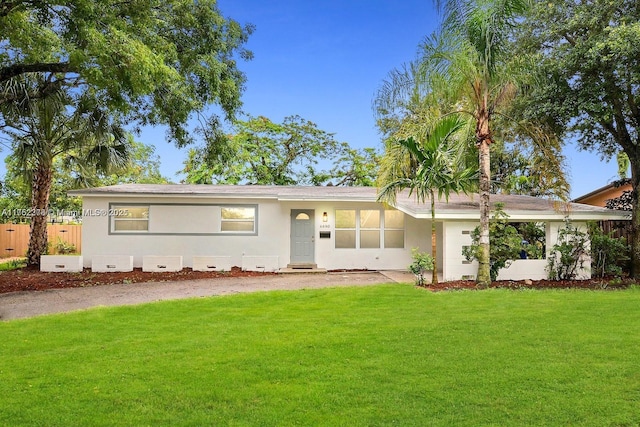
(18, 305)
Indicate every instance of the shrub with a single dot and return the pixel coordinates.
(606, 252)
(506, 242)
(64, 248)
(422, 262)
(569, 253)
(13, 264)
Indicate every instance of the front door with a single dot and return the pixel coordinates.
(302, 236)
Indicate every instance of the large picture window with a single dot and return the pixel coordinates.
(129, 218)
(369, 229)
(235, 219)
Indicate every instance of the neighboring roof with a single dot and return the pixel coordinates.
(599, 196)
(458, 206)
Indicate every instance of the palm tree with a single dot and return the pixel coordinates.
(435, 166)
(58, 126)
(480, 79)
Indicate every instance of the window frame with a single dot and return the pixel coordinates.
(113, 218)
(253, 231)
(359, 228)
(384, 229)
(217, 217)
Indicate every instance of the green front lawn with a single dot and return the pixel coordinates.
(382, 355)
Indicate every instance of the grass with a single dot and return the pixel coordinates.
(381, 355)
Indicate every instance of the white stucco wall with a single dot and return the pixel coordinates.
(180, 219)
(170, 215)
(456, 266)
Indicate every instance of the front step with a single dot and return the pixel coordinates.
(302, 266)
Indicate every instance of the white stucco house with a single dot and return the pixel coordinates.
(274, 227)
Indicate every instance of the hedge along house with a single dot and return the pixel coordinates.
(274, 227)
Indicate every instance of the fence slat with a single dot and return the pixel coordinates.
(14, 238)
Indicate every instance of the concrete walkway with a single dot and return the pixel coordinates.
(18, 305)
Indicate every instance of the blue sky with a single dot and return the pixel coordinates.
(325, 60)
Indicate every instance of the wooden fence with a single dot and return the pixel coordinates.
(617, 228)
(14, 238)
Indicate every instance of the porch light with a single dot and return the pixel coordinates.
(325, 217)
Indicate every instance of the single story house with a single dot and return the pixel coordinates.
(274, 227)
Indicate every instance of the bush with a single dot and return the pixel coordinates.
(569, 253)
(506, 243)
(422, 262)
(606, 252)
(64, 248)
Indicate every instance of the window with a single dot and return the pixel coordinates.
(534, 242)
(238, 219)
(129, 218)
(393, 229)
(345, 228)
(369, 229)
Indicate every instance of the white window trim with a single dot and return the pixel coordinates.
(381, 229)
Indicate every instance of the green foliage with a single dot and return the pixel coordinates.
(589, 63)
(569, 253)
(422, 262)
(527, 166)
(63, 247)
(506, 242)
(62, 125)
(352, 167)
(13, 264)
(588, 59)
(153, 62)
(533, 239)
(142, 166)
(607, 252)
(260, 151)
(433, 165)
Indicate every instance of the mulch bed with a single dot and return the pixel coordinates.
(31, 279)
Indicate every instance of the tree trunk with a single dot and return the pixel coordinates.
(483, 279)
(434, 243)
(40, 188)
(635, 217)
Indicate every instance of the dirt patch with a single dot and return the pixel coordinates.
(32, 279)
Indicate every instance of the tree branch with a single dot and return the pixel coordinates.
(15, 70)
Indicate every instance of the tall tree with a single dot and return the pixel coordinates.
(143, 166)
(471, 55)
(590, 63)
(527, 161)
(435, 166)
(154, 62)
(263, 152)
(58, 125)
